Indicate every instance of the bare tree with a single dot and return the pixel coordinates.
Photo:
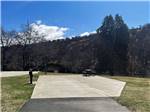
(29, 35)
(6, 40)
(25, 38)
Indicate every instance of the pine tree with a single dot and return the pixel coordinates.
(121, 38)
(105, 57)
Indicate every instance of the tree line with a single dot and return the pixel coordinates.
(114, 49)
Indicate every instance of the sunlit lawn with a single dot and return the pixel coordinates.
(136, 94)
(16, 91)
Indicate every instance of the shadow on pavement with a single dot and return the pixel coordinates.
(80, 104)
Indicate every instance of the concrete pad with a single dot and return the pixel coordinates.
(110, 87)
(75, 93)
(73, 105)
(76, 86)
(14, 73)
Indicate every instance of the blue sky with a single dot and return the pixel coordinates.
(79, 17)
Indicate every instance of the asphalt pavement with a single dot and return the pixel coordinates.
(99, 104)
(75, 93)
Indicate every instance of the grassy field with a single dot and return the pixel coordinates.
(15, 92)
(136, 95)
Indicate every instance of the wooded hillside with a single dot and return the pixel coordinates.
(114, 49)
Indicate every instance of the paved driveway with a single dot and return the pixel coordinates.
(76, 86)
(75, 93)
(99, 104)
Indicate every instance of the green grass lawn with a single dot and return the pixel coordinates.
(136, 94)
(16, 91)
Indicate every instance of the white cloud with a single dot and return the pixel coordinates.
(38, 21)
(49, 32)
(87, 33)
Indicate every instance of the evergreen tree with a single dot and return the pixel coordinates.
(112, 57)
(107, 28)
(106, 54)
(121, 38)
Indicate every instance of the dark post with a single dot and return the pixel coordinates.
(31, 75)
(45, 68)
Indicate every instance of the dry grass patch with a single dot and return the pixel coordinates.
(15, 92)
(136, 94)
